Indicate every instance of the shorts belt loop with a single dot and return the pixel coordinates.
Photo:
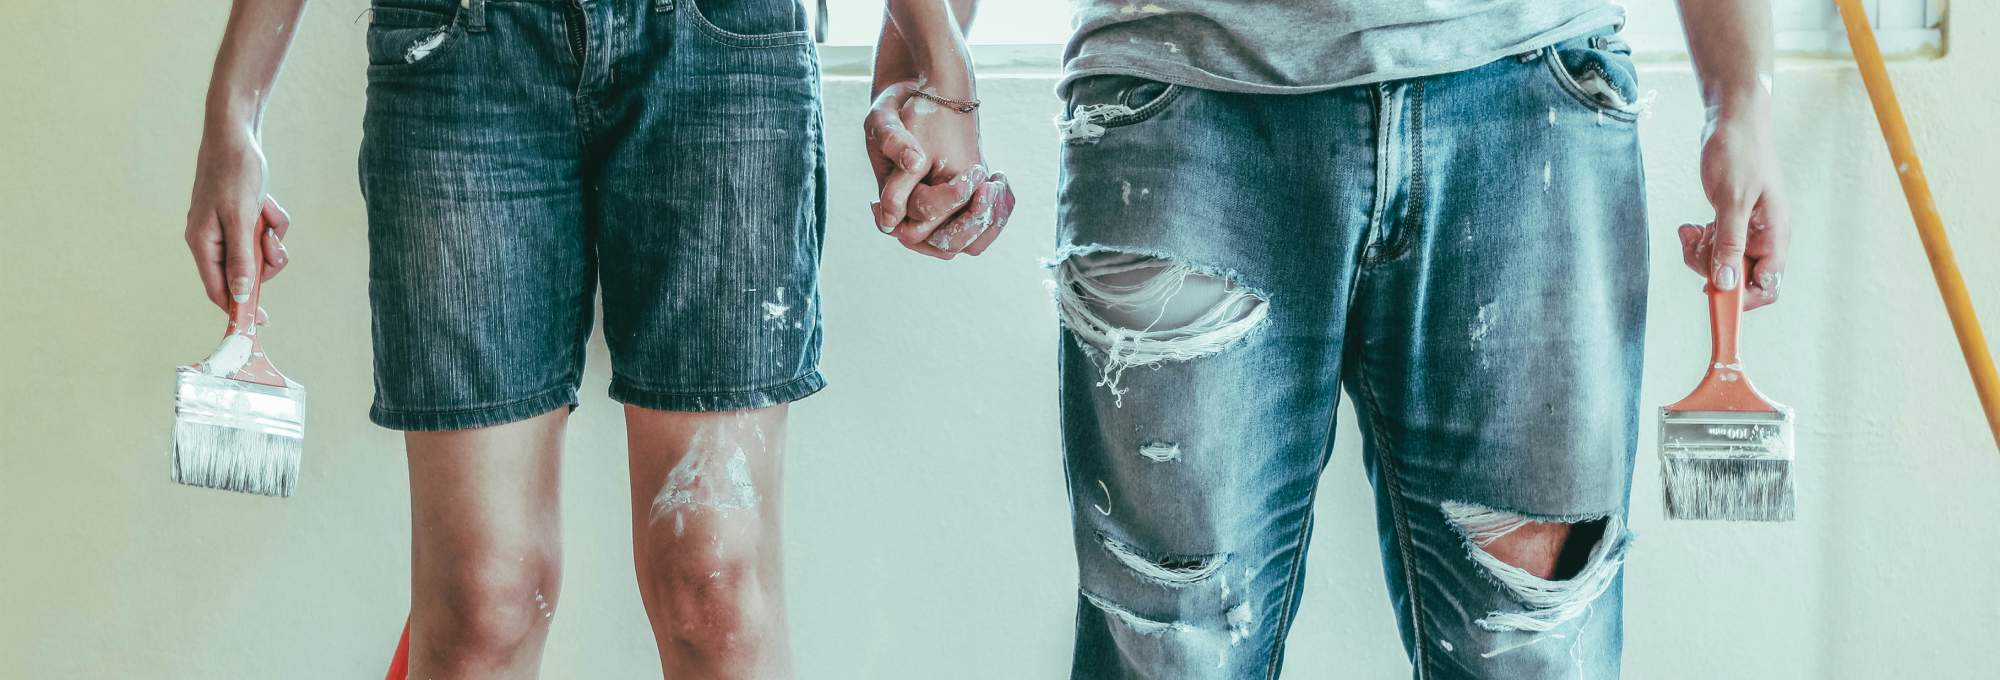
(475, 14)
(663, 6)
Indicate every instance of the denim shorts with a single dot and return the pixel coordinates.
(1465, 253)
(520, 154)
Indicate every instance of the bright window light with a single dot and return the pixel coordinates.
(999, 22)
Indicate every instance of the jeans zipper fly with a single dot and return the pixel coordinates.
(573, 20)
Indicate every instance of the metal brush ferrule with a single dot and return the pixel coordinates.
(1726, 434)
(204, 399)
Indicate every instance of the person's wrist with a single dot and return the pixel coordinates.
(228, 136)
(232, 108)
(1738, 101)
(949, 76)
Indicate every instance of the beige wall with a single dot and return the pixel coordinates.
(928, 530)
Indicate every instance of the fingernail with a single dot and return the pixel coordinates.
(910, 159)
(1770, 281)
(239, 289)
(880, 221)
(1725, 277)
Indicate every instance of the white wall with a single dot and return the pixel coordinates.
(927, 524)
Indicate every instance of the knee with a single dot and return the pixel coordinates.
(709, 583)
(1554, 570)
(487, 613)
(1187, 613)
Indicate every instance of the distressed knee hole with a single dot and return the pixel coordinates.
(1141, 310)
(1138, 624)
(1177, 571)
(1554, 569)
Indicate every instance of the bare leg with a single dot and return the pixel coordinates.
(486, 552)
(706, 540)
(1548, 550)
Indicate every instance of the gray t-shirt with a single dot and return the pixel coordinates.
(1297, 46)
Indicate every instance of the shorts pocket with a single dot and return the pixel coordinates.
(750, 24)
(403, 40)
(1599, 76)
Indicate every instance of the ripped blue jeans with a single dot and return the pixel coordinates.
(1465, 253)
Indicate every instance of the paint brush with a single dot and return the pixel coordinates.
(1726, 450)
(239, 424)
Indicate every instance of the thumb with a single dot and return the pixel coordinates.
(1732, 236)
(240, 257)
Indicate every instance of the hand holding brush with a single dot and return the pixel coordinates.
(238, 423)
(1726, 450)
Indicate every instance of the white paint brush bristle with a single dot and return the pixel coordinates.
(237, 436)
(1727, 465)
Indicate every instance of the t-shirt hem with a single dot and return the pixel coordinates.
(1179, 73)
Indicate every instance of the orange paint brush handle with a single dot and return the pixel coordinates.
(242, 358)
(1725, 313)
(1930, 227)
(1726, 387)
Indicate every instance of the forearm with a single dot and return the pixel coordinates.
(926, 39)
(246, 65)
(1731, 43)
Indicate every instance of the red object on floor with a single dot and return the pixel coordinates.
(399, 667)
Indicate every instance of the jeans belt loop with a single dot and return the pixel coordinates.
(663, 6)
(475, 14)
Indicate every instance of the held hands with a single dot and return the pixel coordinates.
(1746, 243)
(228, 212)
(938, 198)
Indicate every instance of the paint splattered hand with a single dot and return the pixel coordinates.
(1747, 242)
(938, 198)
(227, 213)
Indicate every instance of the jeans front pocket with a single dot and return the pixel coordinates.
(750, 24)
(404, 40)
(1099, 103)
(1599, 75)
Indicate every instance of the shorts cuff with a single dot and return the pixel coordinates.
(800, 388)
(433, 421)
